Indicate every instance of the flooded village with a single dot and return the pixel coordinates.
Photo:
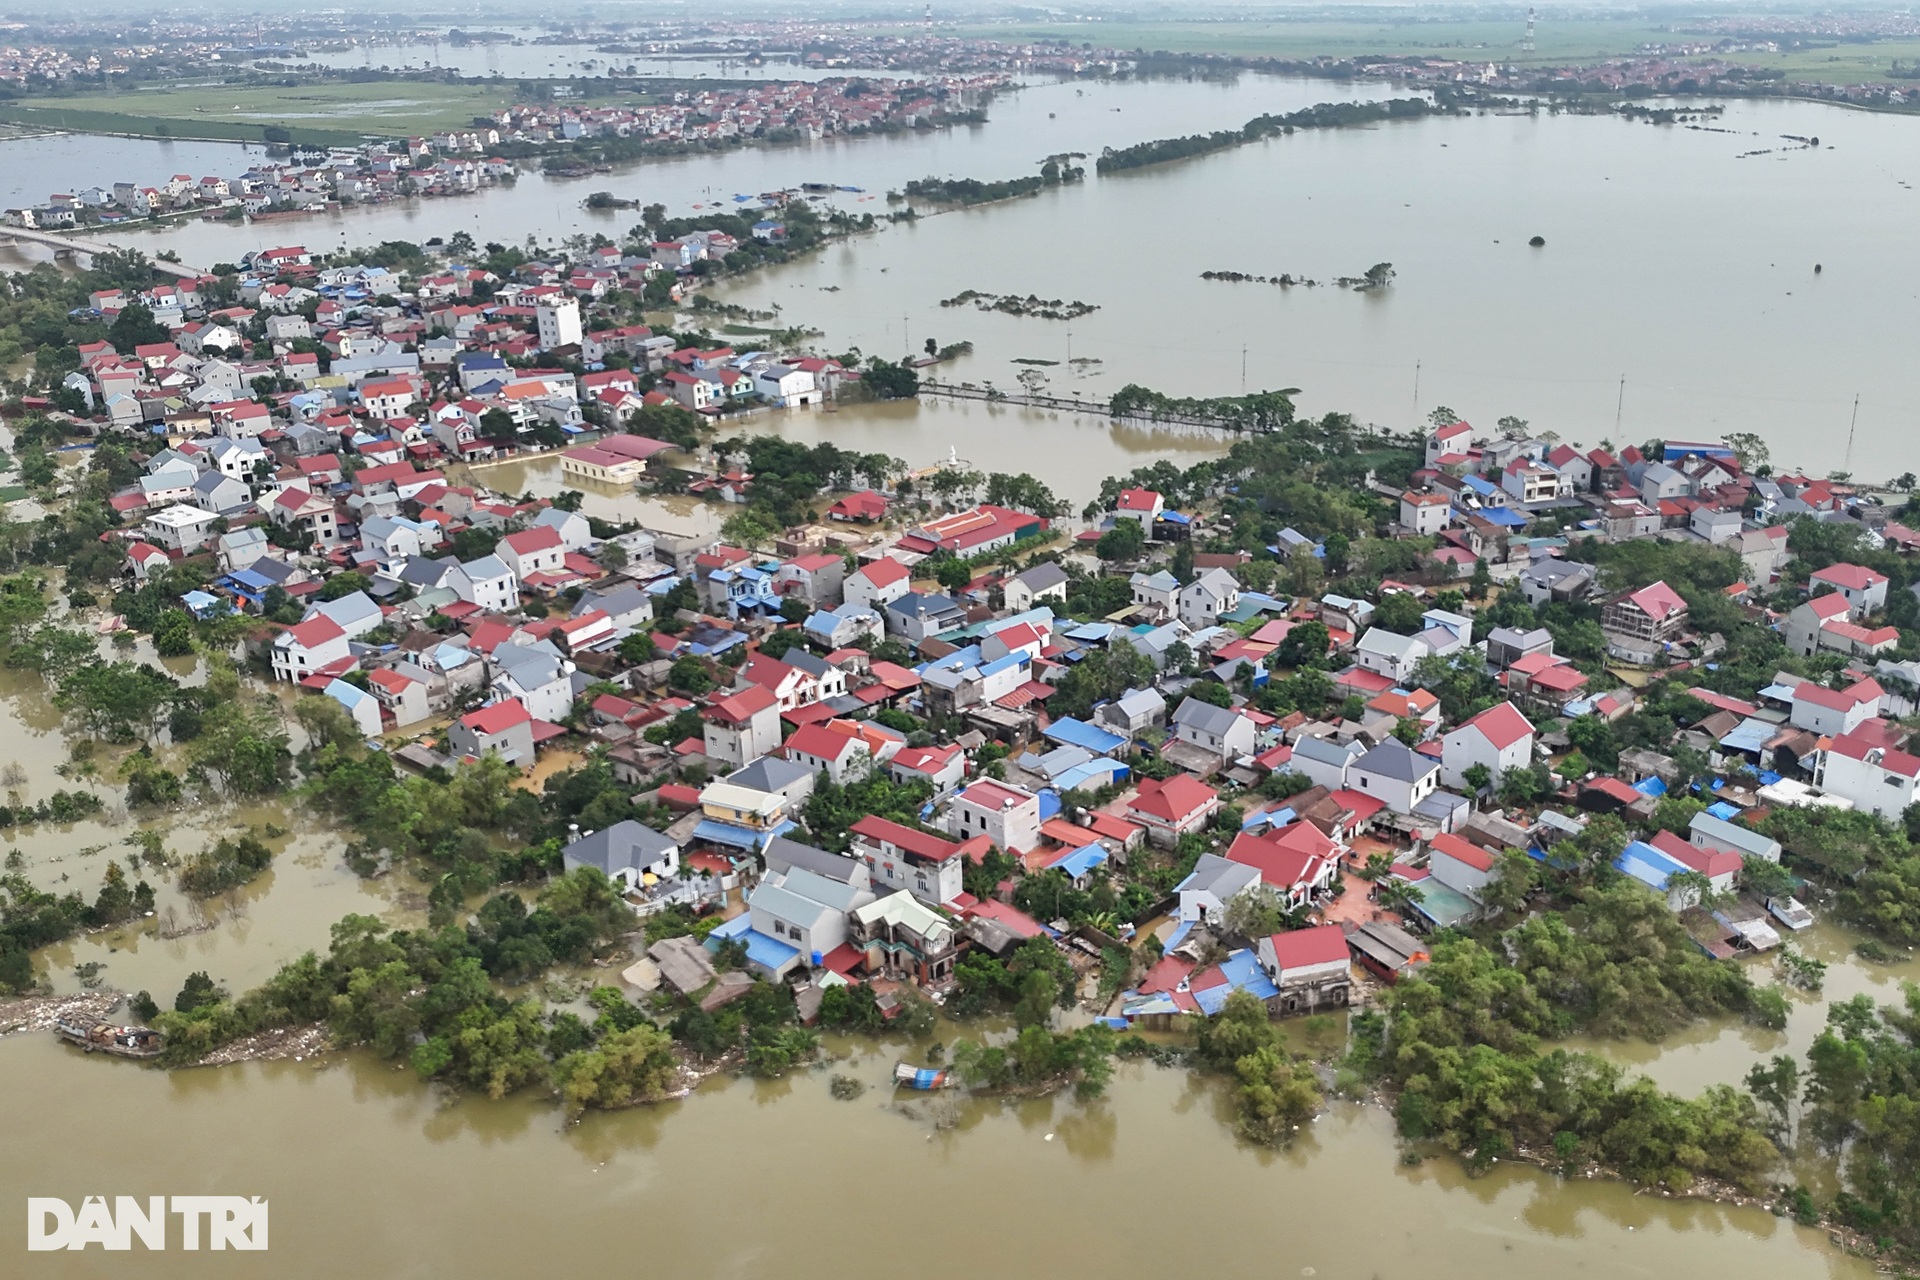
(497, 715)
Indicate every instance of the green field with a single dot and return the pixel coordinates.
(1556, 42)
(327, 114)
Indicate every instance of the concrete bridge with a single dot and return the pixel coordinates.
(66, 245)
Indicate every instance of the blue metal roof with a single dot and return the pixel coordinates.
(738, 837)
(1749, 735)
(1503, 516)
(1080, 861)
(1242, 972)
(1081, 734)
(768, 952)
(1097, 772)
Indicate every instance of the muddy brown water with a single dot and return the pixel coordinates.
(368, 1171)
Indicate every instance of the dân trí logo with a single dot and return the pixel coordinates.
(221, 1222)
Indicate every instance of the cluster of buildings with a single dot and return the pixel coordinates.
(298, 426)
(367, 368)
(806, 109)
(1481, 502)
(446, 164)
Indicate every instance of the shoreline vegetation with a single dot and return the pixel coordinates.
(1378, 276)
(966, 192)
(1030, 306)
(1325, 115)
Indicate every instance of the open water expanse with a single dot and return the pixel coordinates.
(1669, 258)
(1676, 292)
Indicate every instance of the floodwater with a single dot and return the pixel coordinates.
(1669, 261)
(1676, 293)
(1070, 453)
(1721, 1051)
(39, 166)
(1026, 127)
(428, 1183)
(367, 1172)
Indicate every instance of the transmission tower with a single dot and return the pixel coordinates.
(1526, 45)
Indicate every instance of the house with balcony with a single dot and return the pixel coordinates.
(906, 940)
(630, 854)
(899, 857)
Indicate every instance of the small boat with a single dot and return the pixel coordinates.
(1790, 912)
(906, 1075)
(104, 1037)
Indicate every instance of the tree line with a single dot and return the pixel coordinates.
(1325, 115)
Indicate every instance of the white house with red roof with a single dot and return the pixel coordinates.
(531, 551)
(877, 583)
(845, 757)
(314, 645)
(1827, 622)
(503, 728)
(1311, 968)
(1860, 767)
(404, 697)
(1819, 709)
(1172, 808)
(388, 398)
(899, 857)
(297, 508)
(1864, 590)
(1296, 861)
(1447, 446)
(739, 728)
(1143, 505)
(144, 559)
(1007, 815)
(1460, 864)
(942, 768)
(1425, 512)
(1499, 738)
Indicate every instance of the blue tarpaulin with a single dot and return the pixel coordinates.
(1724, 811)
(1650, 787)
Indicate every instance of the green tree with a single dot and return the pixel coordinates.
(634, 1065)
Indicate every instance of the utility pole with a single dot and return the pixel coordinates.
(1243, 368)
(1619, 405)
(1416, 395)
(1848, 464)
(1069, 350)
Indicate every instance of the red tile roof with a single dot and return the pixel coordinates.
(1501, 725)
(1462, 851)
(1322, 944)
(496, 718)
(1851, 577)
(1174, 800)
(920, 845)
